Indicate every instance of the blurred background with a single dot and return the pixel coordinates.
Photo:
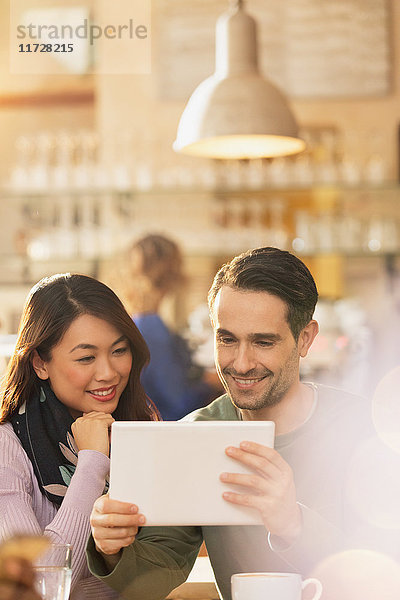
(87, 167)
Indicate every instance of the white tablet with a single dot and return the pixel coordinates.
(171, 469)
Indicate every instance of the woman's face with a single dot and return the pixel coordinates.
(89, 367)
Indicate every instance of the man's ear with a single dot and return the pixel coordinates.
(306, 337)
(39, 366)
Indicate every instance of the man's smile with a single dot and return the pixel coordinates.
(246, 382)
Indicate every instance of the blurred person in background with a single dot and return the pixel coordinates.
(176, 385)
(75, 369)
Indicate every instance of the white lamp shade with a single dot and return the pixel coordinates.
(236, 113)
(241, 116)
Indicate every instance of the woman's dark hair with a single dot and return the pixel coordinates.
(274, 271)
(52, 305)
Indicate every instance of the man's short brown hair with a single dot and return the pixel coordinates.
(277, 272)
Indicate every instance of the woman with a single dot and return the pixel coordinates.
(174, 383)
(75, 368)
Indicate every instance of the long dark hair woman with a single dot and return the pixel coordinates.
(75, 369)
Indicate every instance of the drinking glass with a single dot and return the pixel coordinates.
(53, 572)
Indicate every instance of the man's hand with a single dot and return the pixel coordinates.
(114, 524)
(270, 490)
(91, 432)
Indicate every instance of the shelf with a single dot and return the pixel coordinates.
(385, 187)
(313, 222)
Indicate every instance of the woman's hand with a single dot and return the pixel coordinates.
(91, 432)
(114, 524)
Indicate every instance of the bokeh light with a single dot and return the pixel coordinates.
(386, 409)
(373, 484)
(359, 575)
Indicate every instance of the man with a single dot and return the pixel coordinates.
(261, 307)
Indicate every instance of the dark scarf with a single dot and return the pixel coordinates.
(43, 426)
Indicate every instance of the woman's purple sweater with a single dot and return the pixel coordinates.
(25, 510)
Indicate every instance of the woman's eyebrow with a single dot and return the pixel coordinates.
(123, 338)
(84, 346)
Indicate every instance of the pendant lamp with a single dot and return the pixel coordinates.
(236, 113)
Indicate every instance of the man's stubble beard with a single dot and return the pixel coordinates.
(274, 394)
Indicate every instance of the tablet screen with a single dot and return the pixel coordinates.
(171, 469)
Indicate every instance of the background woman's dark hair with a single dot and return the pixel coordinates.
(150, 269)
(274, 271)
(160, 260)
(52, 305)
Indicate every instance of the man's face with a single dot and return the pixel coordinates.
(256, 355)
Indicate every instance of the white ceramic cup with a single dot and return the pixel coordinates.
(271, 586)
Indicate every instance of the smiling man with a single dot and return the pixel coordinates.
(257, 352)
(261, 307)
